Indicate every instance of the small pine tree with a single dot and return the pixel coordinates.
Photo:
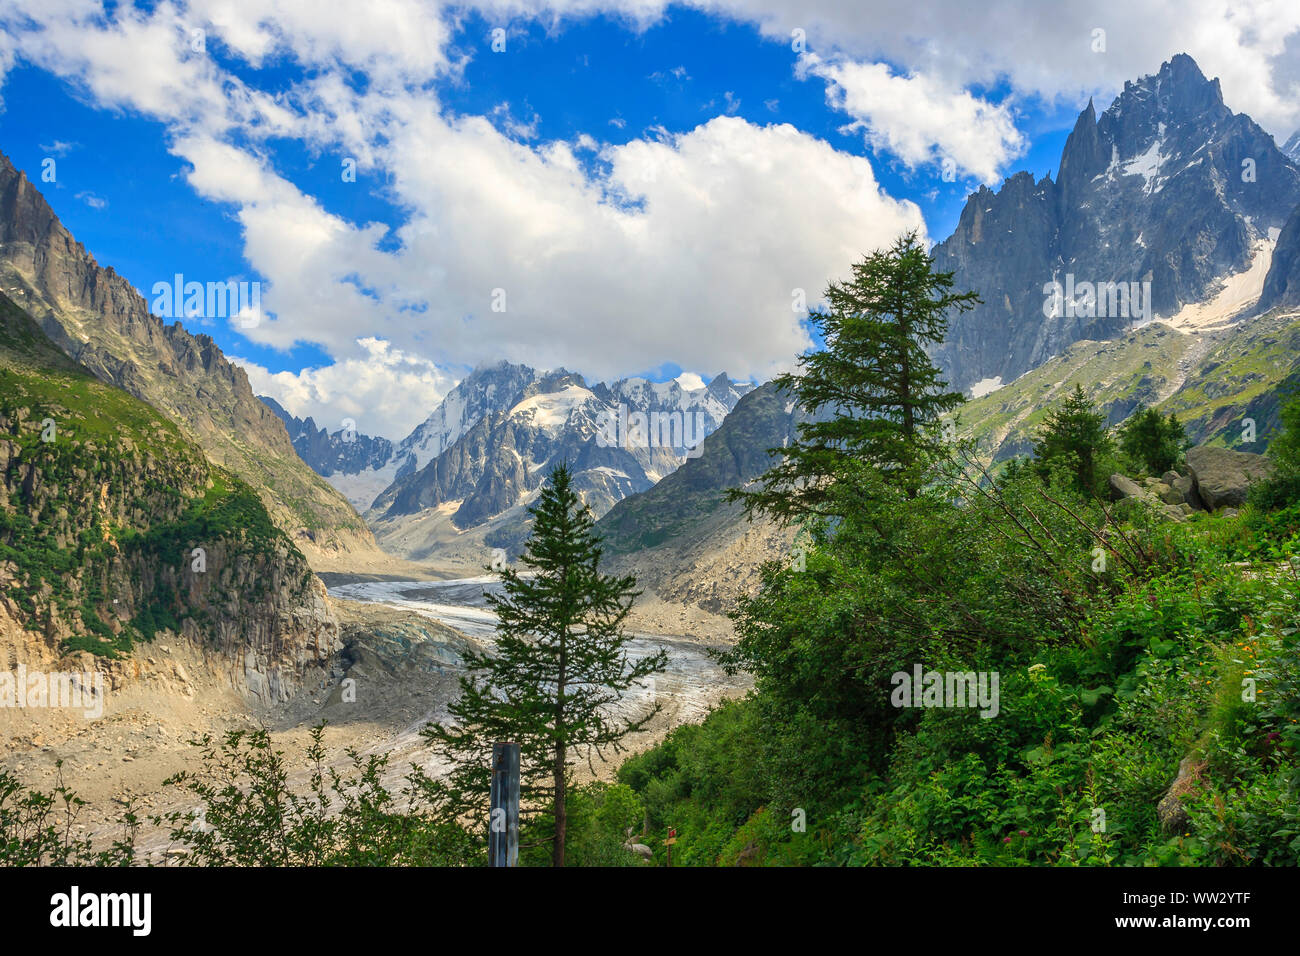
(875, 377)
(560, 662)
(1075, 437)
(1152, 443)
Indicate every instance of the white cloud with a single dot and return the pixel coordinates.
(1035, 50)
(1050, 52)
(685, 248)
(918, 119)
(384, 390)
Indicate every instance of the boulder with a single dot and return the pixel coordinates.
(1162, 491)
(1122, 486)
(1223, 476)
(1187, 488)
(1169, 477)
(1171, 496)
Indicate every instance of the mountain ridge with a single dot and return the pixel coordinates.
(100, 320)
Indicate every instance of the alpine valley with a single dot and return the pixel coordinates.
(230, 565)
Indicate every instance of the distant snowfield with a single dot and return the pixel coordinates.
(1238, 293)
(986, 386)
(551, 410)
(362, 488)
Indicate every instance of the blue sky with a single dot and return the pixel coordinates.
(647, 189)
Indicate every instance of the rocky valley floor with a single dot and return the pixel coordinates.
(402, 640)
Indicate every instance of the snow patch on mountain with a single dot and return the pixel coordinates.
(1238, 292)
(551, 410)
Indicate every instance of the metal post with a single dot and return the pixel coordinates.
(503, 823)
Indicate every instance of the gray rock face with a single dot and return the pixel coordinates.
(1166, 499)
(1168, 494)
(1186, 486)
(99, 319)
(1291, 148)
(688, 500)
(1282, 284)
(344, 450)
(1223, 477)
(1152, 191)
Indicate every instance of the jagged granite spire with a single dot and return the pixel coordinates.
(1167, 186)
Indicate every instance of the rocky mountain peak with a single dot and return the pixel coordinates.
(1163, 195)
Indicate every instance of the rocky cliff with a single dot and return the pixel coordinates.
(116, 529)
(1282, 283)
(97, 318)
(503, 446)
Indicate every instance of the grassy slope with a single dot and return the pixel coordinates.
(1211, 383)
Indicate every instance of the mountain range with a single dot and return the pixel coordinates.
(115, 528)
(1157, 268)
(1152, 191)
(487, 447)
(1168, 188)
(1161, 266)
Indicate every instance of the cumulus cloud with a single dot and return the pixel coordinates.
(384, 390)
(1054, 54)
(685, 247)
(918, 119)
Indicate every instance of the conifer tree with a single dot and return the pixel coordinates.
(1074, 436)
(560, 663)
(873, 397)
(1151, 441)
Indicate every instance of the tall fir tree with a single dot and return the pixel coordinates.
(873, 397)
(560, 664)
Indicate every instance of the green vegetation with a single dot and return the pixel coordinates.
(99, 493)
(1242, 373)
(1151, 442)
(1133, 694)
(1074, 437)
(241, 811)
(877, 379)
(1125, 649)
